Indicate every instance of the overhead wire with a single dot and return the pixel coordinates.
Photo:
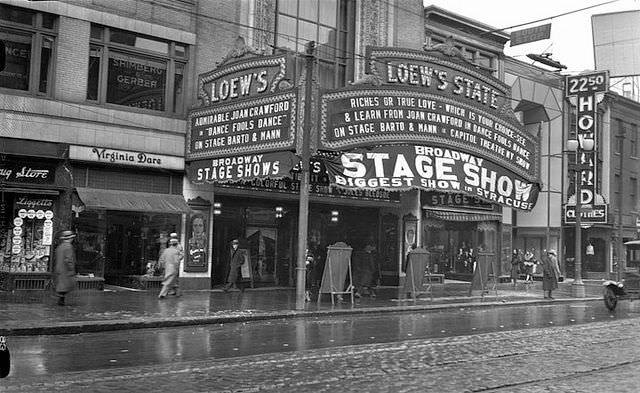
(297, 40)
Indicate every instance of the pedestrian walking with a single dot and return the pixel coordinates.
(170, 260)
(550, 274)
(236, 259)
(65, 267)
(515, 266)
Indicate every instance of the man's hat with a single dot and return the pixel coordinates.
(66, 235)
(173, 235)
(552, 252)
(235, 241)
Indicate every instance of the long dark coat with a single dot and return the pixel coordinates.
(65, 268)
(515, 265)
(550, 273)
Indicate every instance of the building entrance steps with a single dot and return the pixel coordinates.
(36, 312)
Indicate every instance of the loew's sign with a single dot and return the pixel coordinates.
(249, 126)
(401, 168)
(426, 98)
(248, 106)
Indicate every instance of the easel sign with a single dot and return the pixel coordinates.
(417, 262)
(486, 266)
(336, 268)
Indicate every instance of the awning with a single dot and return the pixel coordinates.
(93, 198)
(460, 216)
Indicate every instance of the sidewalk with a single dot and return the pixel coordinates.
(117, 308)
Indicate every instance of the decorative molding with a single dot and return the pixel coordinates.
(265, 14)
(240, 50)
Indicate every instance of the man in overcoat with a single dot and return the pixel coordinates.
(65, 267)
(170, 259)
(550, 274)
(236, 259)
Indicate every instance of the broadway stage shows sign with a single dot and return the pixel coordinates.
(401, 168)
(433, 97)
(247, 166)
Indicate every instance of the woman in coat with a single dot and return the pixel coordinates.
(550, 274)
(515, 266)
(65, 266)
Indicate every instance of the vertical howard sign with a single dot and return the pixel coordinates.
(430, 101)
(584, 89)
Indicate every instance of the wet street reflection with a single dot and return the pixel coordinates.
(39, 355)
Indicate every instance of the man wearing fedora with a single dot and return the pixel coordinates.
(65, 266)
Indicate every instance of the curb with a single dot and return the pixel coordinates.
(77, 327)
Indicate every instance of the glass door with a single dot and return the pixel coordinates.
(262, 248)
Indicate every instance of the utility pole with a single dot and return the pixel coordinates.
(303, 215)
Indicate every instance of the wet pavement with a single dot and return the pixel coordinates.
(115, 308)
(592, 357)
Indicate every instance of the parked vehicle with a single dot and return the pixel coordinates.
(628, 288)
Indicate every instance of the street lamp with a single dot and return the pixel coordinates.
(579, 147)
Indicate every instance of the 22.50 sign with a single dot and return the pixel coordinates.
(595, 82)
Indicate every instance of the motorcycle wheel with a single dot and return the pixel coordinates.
(610, 299)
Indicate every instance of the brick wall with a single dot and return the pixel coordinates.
(409, 22)
(178, 14)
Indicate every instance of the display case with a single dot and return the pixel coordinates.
(27, 235)
(26, 240)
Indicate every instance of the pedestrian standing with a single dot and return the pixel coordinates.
(550, 274)
(170, 259)
(65, 267)
(236, 259)
(515, 266)
(529, 264)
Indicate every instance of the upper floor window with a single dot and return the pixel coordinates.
(620, 130)
(331, 24)
(29, 39)
(633, 140)
(135, 70)
(633, 189)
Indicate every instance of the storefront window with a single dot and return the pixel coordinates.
(118, 245)
(26, 228)
(139, 71)
(29, 40)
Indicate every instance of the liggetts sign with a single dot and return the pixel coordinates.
(401, 168)
(421, 98)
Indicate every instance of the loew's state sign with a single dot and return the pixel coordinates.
(401, 168)
(426, 97)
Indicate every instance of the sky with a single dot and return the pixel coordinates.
(571, 41)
